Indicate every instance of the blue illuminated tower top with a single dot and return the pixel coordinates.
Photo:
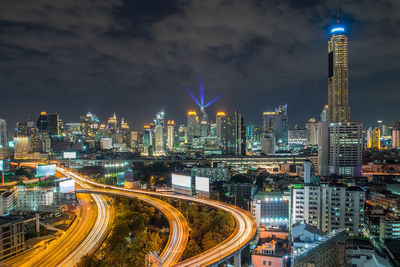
(338, 28)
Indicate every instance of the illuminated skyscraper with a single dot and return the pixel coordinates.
(148, 141)
(218, 122)
(3, 133)
(312, 128)
(170, 134)
(338, 86)
(395, 138)
(268, 133)
(240, 134)
(374, 138)
(159, 133)
(345, 148)
(324, 113)
(192, 125)
(112, 124)
(89, 126)
(281, 125)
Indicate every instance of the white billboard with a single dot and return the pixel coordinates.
(202, 184)
(181, 180)
(1, 165)
(46, 170)
(69, 155)
(67, 186)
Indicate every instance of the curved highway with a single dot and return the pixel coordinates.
(245, 229)
(74, 238)
(179, 228)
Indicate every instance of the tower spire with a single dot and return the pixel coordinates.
(338, 15)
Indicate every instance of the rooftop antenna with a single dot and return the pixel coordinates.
(338, 15)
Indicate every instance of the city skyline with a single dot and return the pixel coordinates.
(241, 66)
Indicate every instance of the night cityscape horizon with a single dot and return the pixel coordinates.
(200, 133)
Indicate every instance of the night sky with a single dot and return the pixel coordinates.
(135, 57)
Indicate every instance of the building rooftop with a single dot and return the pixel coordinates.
(9, 219)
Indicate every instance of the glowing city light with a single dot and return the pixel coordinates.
(340, 29)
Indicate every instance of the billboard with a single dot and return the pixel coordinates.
(202, 184)
(67, 186)
(181, 181)
(1, 165)
(46, 170)
(69, 155)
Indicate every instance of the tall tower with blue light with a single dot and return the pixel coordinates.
(338, 75)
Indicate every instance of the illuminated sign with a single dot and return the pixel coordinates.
(69, 155)
(67, 186)
(337, 30)
(1, 165)
(46, 170)
(181, 181)
(202, 184)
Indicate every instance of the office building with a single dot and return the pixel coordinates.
(395, 138)
(218, 123)
(159, 147)
(106, 143)
(148, 140)
(22, 147)
(338, 77)
(345, 149)
(281, 125)
(323, 148)
(89, 126)
(312, 131)
(324, 114)
(54, 124)
(42, 122)
(374, 138)
(240, 134)
(170, 134)
(298, 137)
(112, 124)
(268, 141)
(192, 125)
(3, 133)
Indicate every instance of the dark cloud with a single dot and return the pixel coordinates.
(135, 57)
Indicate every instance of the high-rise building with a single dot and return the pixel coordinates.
(218, 122)
(148, 140)
(312, 129)
(324, 113)
(395, 138)
(268, 133)
(90, 125)
(338, 86)
(112, 124)
(281, 125)
(159, 134)
(125, 132)
(342, 208)
(228, 138)
(22, 147)
(42, 122)
(54, 124)
(28, 129)
(3, 133)
(240, 134)
(323, 148)
(345, 148)
(192, 125)
(170, 134)
(374, 138)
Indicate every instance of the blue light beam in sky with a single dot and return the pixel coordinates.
(194, 98)
(212, 101)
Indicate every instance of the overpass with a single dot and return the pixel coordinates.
(245, 228)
